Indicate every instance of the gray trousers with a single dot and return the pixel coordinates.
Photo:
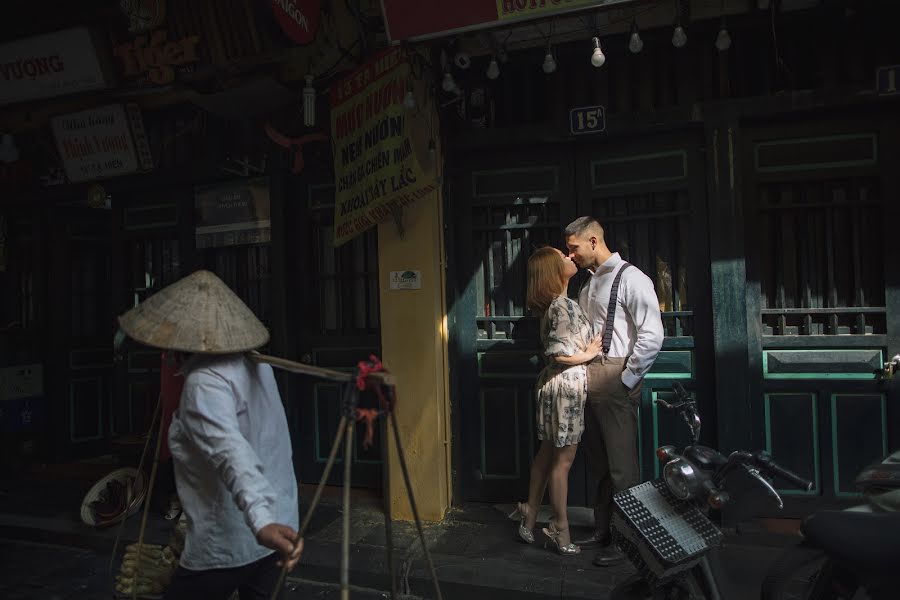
(610, 436)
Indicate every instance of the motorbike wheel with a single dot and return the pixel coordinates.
(802, 573)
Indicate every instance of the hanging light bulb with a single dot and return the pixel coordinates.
(409, 100)
(448, 85)
(549, 62)
(493, 70)
(679, 37)
(635, 43)
(8, 151)
(597, 57)
(309, 103)
(723, 40)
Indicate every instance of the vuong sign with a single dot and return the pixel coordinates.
(414, 20)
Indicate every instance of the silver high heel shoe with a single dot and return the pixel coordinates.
(525, 534)
(554, 533)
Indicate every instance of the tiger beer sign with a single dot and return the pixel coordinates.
(381, 158)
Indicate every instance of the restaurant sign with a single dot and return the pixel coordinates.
(415, 20)
(233, 214)
(49, 65)
(102, 142)
(378, 145)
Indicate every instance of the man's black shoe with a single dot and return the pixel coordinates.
(592, 540)
(608, 556)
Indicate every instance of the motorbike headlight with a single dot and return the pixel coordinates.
(681, 478)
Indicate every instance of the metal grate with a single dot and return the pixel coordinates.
(821, 267)
(651, 231)
(661, 534)
(347, 276)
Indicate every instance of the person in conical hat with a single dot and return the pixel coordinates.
(229, 440)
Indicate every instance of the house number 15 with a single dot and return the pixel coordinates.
(587, 119)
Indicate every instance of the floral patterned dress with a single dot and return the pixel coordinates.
(562, 389)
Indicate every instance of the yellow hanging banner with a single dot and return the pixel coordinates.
(381, 157)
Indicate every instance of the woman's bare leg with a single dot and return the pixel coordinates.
(540, 472)
(559, 488)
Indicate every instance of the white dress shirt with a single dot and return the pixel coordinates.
(233, 468)
(637, 331)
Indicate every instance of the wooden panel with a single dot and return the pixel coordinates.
(327, 413)
(342, 358)
(827, 152)
(137, 218)
(639, 169)
(144, 361)
(672, 364)
(821, 364)
(500, 427)
(85, 409)
(859, 436)
(792, 437)
(516, 365)
(504, 182)
(90, 358)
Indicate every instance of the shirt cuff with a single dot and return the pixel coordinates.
(258, 517)
(630, 379)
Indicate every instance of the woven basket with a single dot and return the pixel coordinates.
(125, 474)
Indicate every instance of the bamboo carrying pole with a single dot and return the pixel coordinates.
(321, 372)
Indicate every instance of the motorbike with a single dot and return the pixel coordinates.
(848, 554)
(664, 527)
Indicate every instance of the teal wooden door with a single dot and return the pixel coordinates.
(816, 197)
(334, 297)
(649, 195)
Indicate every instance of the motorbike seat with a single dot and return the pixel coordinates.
(865, 542)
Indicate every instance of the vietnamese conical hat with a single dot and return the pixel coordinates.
(198, 313)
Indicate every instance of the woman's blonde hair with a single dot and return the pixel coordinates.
(546, 279)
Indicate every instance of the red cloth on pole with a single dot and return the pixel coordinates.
(170, 384)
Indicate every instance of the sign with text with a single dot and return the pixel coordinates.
(416, 20)
(587, 119)
(299, 19)
(233, 214)
(49, 65)
(102, 142)
(378, 158)
(155, 57)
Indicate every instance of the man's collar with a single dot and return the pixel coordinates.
(609, 264)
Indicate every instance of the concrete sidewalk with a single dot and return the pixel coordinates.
(475, 549)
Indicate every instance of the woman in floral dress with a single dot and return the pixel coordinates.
(569, 344)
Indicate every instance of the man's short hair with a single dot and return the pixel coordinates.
(581, 225)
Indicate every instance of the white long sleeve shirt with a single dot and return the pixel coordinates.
(232, 454)
(637, 330)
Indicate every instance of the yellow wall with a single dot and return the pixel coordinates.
(414, 349)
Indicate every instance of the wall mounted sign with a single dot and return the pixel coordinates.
(156, 56)
(415, 20)
(102, 142)
(887, 79)
(587, 119)
(49, 65)
(143, 15)
(21, 397)
(299, 19)
(406, 280)
(233, 214)
(378, 146)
